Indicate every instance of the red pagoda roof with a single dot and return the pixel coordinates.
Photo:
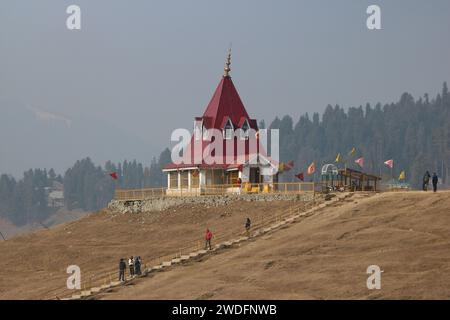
(225, 105)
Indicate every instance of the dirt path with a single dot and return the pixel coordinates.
(325, 256)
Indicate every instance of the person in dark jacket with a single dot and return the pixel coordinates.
(248, 225)
(434, 180)
(426, 181)
(122, 267)
(137, 266)
(208, 237)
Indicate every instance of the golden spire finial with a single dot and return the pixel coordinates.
(227, 68)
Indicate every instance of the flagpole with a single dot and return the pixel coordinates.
(392, 174)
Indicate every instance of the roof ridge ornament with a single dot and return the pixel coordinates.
(227, 68)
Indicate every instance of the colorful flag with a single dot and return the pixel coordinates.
(352, 152)
(389, 163)
(114, 175)
(338, 158)
(312, 168)
(300, 176)
(288, 166)
(360, 162)
(291, 163)
(402, 176)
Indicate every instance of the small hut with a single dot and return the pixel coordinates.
(347, 179)
(354, 180)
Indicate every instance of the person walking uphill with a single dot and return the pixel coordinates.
(131, 265)
(122, 267)
(208, 237)
(426, 181)
(434, 180)
(248, 225)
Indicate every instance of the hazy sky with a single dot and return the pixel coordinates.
(148, 67)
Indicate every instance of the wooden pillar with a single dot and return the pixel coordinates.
(201, 179)
(168, 180)
(189, 179)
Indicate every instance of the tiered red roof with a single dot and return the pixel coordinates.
(225, 105)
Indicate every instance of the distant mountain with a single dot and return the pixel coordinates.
(32, 137)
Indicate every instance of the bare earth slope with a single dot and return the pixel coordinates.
(32, 265)
(9, 230)
(325, 256)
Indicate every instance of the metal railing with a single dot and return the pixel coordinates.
(219, 189)
(139, 194)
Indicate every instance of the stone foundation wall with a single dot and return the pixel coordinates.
(163, 203)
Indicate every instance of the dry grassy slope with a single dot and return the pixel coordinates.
(9, 230)
(325, 256)
(33, 264)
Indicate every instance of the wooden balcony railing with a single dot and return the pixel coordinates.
(222, 189)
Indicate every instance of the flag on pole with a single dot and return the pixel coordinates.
(352, 152)
(114, 175)
(402, 176)
(300, 176)
(389, 163)
(312, 168)
(360, 162)
(288, 166)
(338, 158)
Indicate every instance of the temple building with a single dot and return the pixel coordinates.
(242, 163)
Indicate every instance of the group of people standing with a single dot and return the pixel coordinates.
(134, 265)
(426, 181)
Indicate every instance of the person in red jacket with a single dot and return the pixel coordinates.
(208, 237)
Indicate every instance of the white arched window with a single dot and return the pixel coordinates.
(198, 126)
(228, 130)
(245, 130)
(205, 133)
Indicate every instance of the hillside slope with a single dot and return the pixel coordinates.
(325, 256)
(33, 265)
(9, 230)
